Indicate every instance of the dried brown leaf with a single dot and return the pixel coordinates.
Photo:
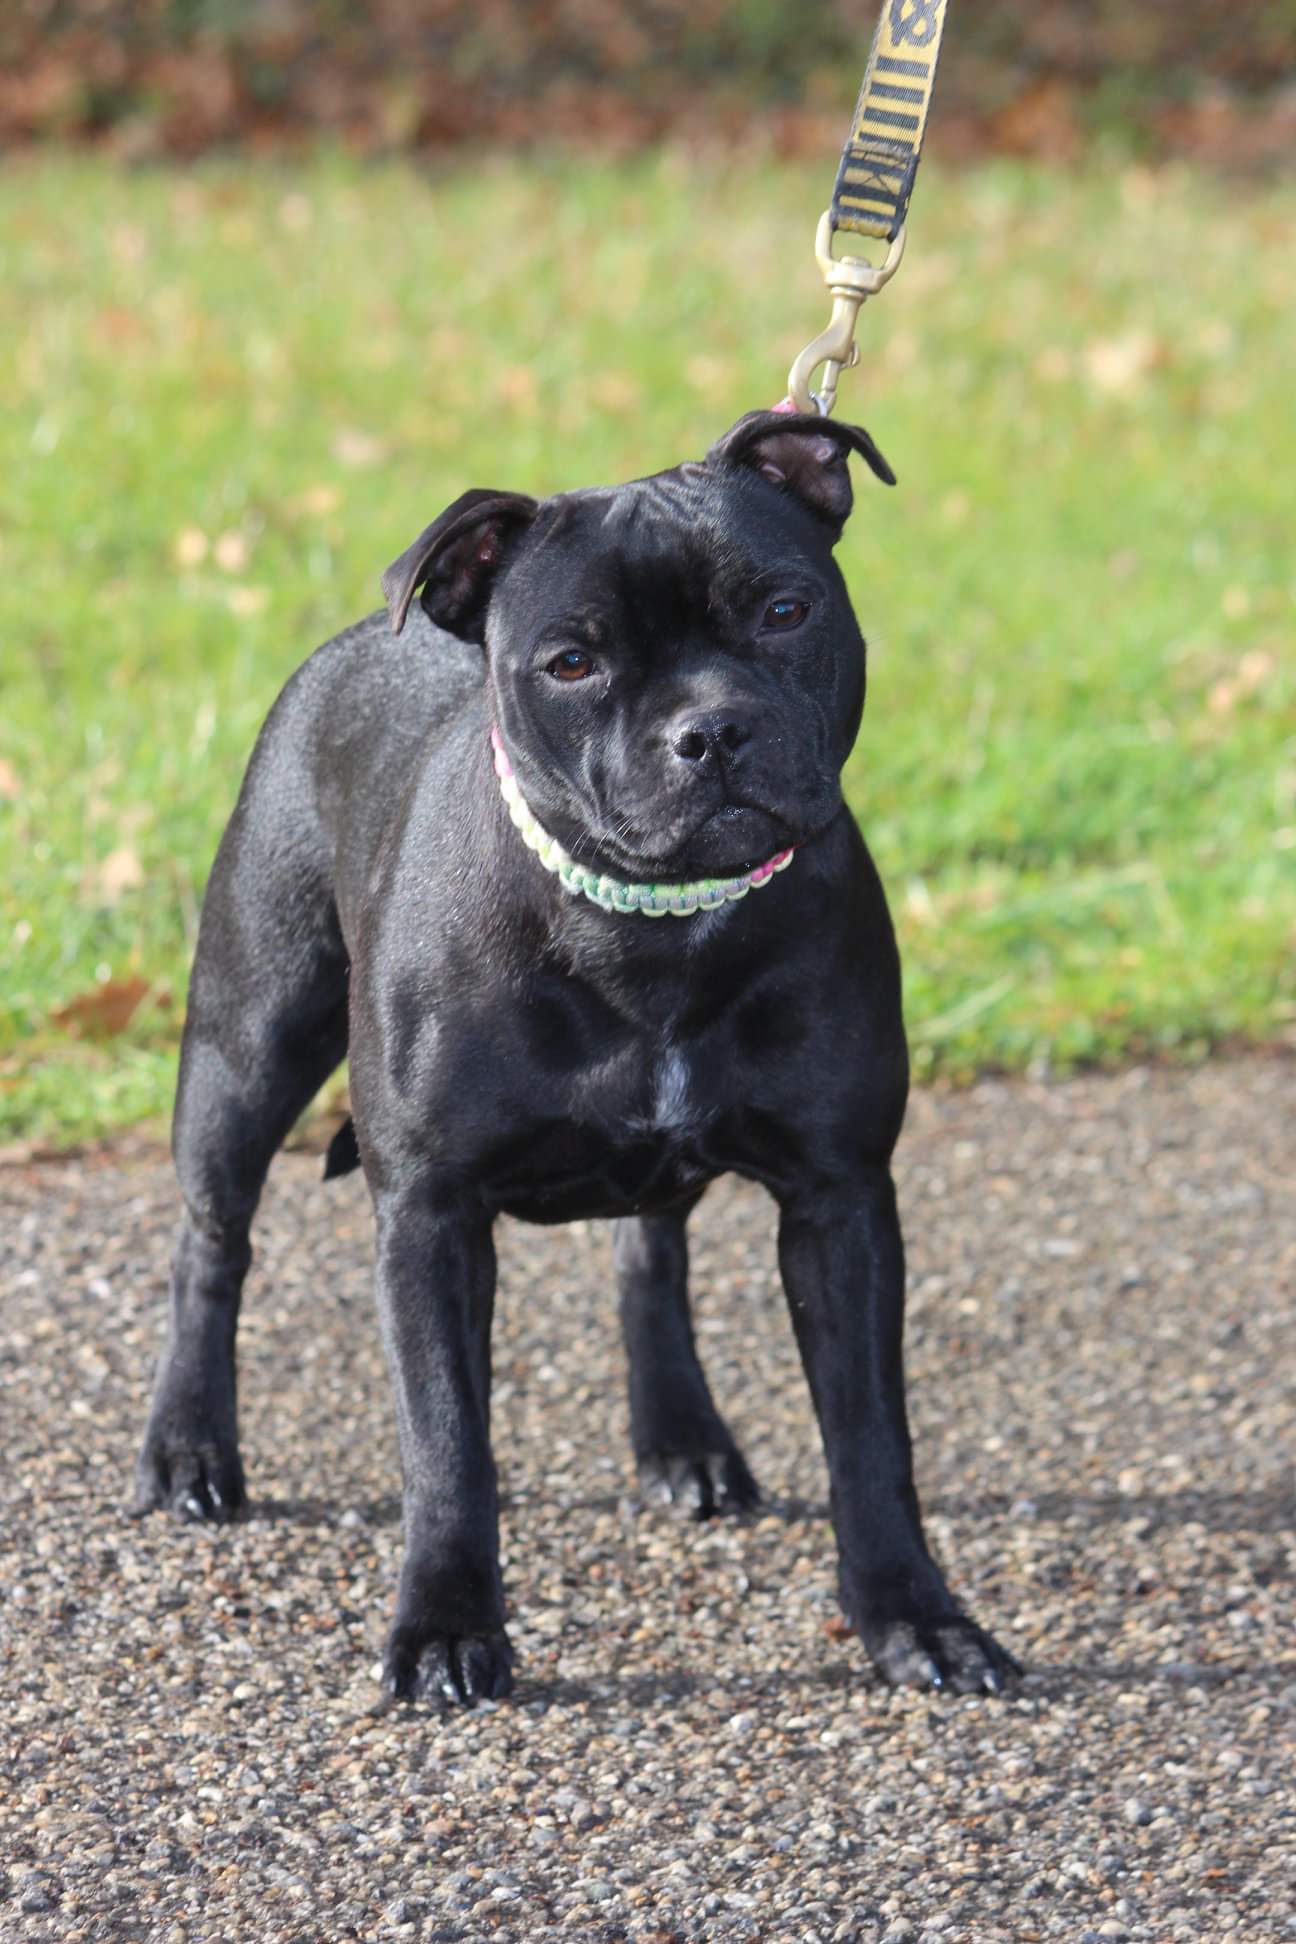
(104, 1010)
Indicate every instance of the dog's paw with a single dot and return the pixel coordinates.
(198, 1479)
(948, 1652)
(702, 1485)
(461, 1669)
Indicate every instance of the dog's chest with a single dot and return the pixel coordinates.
(669, 1107)
(634, 1136)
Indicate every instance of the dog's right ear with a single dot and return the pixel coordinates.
(803, 455)
(455, 561)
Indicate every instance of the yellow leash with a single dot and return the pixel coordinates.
(874, 183)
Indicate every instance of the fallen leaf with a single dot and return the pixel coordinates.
(190, 547)
(103, 1011)
(118, 325)
(247, 601)
(516, 385)
(232, 552)
(1053, 364)
(296, 212)
(1119, 365)
(120, 871)
(1041, 120)
(839, 1628)
(615, 391)
(1253, 671)
(129, 243)
(709, 375)
(354, 448)
(1214, 338)
(319, 500)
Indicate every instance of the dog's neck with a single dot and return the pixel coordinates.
(613, 894)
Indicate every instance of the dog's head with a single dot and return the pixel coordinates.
(676, 670)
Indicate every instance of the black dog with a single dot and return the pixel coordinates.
(568, 871)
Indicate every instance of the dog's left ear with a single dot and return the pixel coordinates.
(455, 561)
(804, 455)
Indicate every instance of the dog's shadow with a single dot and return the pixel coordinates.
(1048, 1682)
(327, 1513)
(1268, 1509)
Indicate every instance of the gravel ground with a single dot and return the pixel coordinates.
(1100, 1362)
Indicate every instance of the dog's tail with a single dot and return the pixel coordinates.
(343, 1151)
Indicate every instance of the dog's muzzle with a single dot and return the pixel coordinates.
(612, 894)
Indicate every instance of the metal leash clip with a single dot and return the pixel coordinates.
(850, 281)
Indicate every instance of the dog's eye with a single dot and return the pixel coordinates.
(784, 614)
(573, 666)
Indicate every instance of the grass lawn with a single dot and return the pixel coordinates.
(233, 395)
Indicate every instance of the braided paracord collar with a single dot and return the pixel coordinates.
(609, 893)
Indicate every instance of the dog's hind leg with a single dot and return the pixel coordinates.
(267, 1024)
(682, 1446)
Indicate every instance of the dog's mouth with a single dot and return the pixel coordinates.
(736, 838)
(728, 842)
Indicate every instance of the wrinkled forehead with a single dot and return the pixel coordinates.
(675, 542)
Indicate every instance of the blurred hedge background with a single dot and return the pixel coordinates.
(155, 78)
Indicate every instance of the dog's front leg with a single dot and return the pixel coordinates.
(436, 1290)
(843, 1270)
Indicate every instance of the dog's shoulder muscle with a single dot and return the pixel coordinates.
(343, 741)
(371, 704)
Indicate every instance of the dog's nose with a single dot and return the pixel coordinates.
(708, 739)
